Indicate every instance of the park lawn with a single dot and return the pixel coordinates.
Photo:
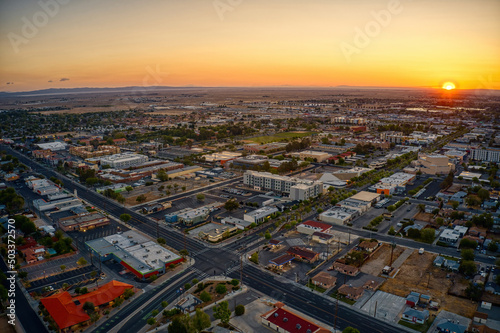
(417, 327)
(280, 137)
(342, 298)
(317, 288)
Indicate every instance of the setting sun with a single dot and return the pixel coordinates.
(449, 86)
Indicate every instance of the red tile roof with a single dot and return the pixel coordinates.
(66, 313)
(318, 225)
(302, 252)
(290, 322)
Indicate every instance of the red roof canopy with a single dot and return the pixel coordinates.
(67, 310)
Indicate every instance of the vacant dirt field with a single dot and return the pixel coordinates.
(131, 201)
(426, 217)
(414, 276)
(381, 259)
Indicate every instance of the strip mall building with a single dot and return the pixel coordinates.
(138, 254)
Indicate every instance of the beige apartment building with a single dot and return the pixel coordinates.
(435, 164)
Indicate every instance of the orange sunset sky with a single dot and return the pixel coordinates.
(115, 43)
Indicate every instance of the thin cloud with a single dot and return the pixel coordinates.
(64, 79)
(10, 82)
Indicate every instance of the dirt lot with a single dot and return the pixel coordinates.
(414, 276)
(131, 201)
(380, 259)
(426, 217)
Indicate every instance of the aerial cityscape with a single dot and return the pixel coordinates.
(249, 166)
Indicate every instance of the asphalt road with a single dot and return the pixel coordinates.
(313, 304)
(24, 312)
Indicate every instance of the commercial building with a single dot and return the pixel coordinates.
(357, 205)
(260, 214)
(282, 184)
(135, 252)
(305, 191)
(238, 223)
(338, 215)
(89, 151)
(83, 222)
(67, 311)
(486, 154)
(310, 227)
(314, 155)
(467, 175)
(250, 161)
(303, 253)
(435, 164)
(123, 160)
(391, 184)
(54, 146)
(367, 196)
(221, 158)
(215, 235)
(283, 320)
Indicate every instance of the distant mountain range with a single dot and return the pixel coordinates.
(56, 91)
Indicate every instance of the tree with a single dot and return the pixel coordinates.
(82, 261)
(349, 329)
(161, 240)
(88, 307)
(467, 254)
(93, 274)
(129, 188)
(162, 175)
(177, 326)
(267, 235)
(231, 204)
(235, 282)
(414, 233)
(221, 289)
(239, 310)
(151, 321)
(125, 217)
(391, 208)
(222, 312)
(255, 258)
(427, 235)
(200, 320)
(483, 194)
(205, 296)
(391, 231)
(187, 286)
(200, 197)
(63, 267)
(467, 244)
(141, 198)
(467, 267)
(421, 207)
(493, 247)
(128, 293)
(164, 304)
(183, 252)
(454, 204)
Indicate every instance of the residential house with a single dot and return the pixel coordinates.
(447, 326)
(351, 292)
(412, 299)
(439, 261)
(345, 269)
(368, 246)
(324, 280)
(372, 285)
(416, 316)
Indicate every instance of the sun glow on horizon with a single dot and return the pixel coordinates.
(449, 86)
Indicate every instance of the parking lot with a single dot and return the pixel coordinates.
(387, 306)
(185, 202)
(56, 281)
(52, 267)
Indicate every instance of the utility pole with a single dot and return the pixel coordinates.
(184, 240)
(336, 313)
(241, 270)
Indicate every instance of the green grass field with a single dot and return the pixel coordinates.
(280, 137)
